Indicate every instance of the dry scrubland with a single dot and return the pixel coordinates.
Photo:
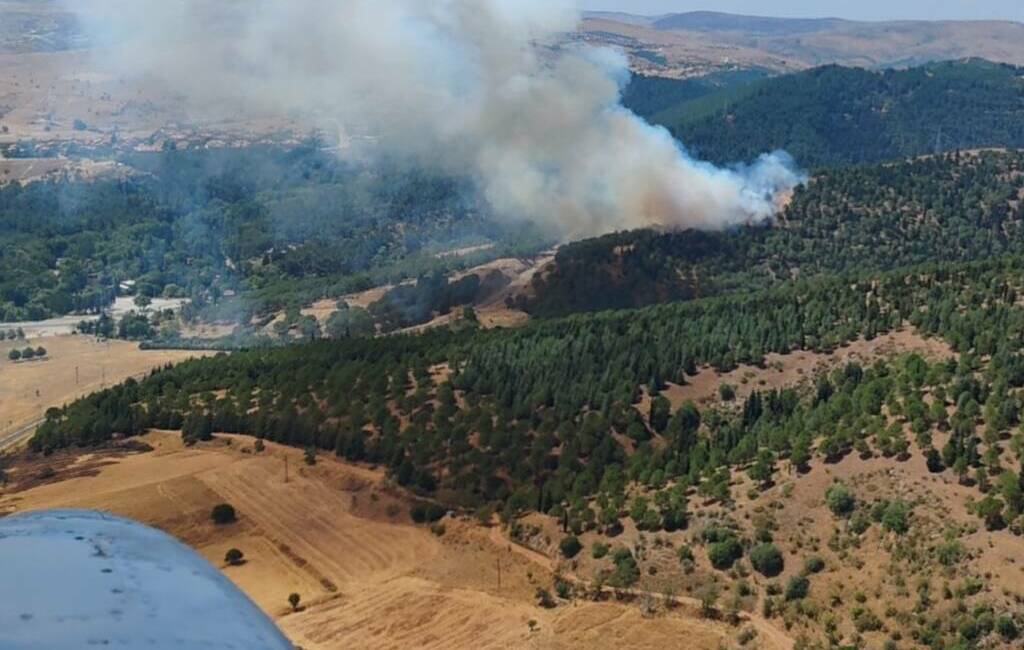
(340, 537)
(879, 573)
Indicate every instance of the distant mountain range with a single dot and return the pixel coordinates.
(689, 44)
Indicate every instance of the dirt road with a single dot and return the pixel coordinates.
(18, 436)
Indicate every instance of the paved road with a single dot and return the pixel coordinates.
(15, 437)
(18, 436)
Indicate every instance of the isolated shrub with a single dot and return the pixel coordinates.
(418, 513)
(840, 499)
(685, 553)
(294, 599)
(767, 560)
(570, 546)
(724, 554)
(709, 595)
(950, 552)
(746, 635)
(599, 550)
(14, 355)
(716, 533)
(223, 513)
(859, 523)
(797, 587)
(544, 598)
(726, 392)
(896, 518)
(968, 629)
(814, 564)
(877, 510)
(1007, 628)
(865, 620)
(563, 589)
(234, 557)
(40, 352)
(426, 513)
(627, 572)
(990, 509)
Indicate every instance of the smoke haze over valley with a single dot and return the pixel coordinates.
(489, 90)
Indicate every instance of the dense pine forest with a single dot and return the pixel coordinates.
(953, 207)
(832, 115)
(649, 97)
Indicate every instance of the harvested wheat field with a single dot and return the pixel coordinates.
(340, 536)
(74, 366)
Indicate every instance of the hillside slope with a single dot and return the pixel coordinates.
(572, 430)
(957, 207)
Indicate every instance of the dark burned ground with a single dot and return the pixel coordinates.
(26, 470)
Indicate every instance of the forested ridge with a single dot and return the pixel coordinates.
(650, 97)
(525, 419)
(953, 207)
(834, 116)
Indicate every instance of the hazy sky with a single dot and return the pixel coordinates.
(860, 10)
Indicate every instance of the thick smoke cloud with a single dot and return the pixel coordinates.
(486, 88)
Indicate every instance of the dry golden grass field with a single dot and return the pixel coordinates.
(340, 536)
(74, 366)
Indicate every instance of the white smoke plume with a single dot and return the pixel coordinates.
(485, 88)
